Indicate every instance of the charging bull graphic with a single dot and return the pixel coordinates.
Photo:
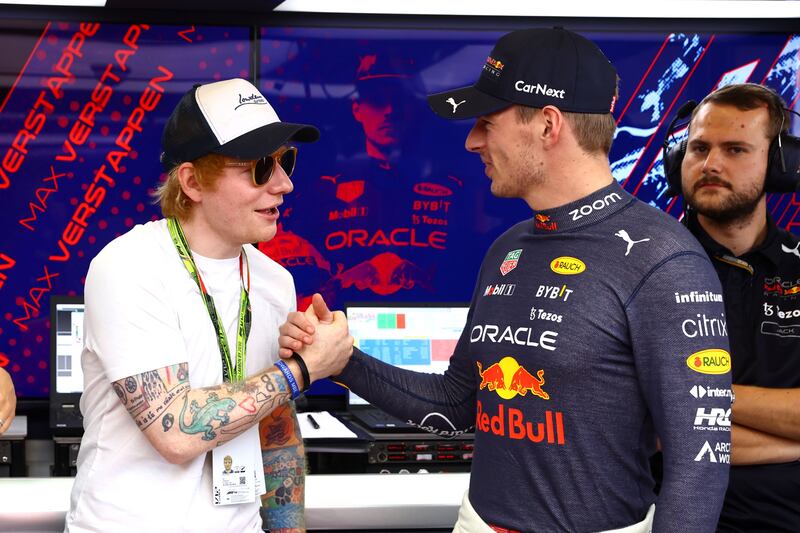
(522, 382)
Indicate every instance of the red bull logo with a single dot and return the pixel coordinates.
(493, 67)
(508, 378)
(494, 63)
(511, 423)
(774, 286)
(543, 222)
(384, 274)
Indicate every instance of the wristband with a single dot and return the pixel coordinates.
(287, 373)
(303, 370)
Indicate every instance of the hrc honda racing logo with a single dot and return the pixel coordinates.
(714, 419)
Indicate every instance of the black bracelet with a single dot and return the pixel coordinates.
(303, 370)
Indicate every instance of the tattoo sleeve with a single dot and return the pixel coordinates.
(284, 460)
(174, 416)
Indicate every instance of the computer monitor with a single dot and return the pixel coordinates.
(66, 376)
(415, 336)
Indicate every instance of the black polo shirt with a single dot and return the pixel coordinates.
(761, 290)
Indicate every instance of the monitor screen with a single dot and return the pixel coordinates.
(419, 337)
(68, 345)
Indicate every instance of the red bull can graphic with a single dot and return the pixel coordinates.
(508, 378)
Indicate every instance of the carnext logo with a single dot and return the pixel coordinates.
(523, 87)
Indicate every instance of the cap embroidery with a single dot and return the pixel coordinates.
(523, 87)
(453, 103)
(493, 66)
(252, 99)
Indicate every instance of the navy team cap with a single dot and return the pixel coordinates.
(536, 68)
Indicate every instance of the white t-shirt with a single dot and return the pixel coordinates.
(144, 312)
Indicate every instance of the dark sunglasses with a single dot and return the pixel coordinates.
(261, 169)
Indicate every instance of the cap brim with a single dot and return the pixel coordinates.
(267, 139)
(466, 102)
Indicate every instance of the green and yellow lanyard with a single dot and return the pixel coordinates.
(243, 329)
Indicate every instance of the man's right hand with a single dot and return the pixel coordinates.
(325, 341)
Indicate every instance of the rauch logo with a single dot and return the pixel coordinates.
(711, 361)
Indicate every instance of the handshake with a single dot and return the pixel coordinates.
(320, 336)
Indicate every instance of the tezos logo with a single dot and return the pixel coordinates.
(770, 310)
(711, 361)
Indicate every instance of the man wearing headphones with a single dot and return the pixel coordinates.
(735, 134)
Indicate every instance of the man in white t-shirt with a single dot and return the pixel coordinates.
(181, 338)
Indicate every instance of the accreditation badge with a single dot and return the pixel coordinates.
(234, 469)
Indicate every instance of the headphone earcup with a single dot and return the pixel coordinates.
(777, 179)
(673, 158)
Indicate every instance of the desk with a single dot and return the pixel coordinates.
(337, 502)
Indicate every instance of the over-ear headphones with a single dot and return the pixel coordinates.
(783, 162)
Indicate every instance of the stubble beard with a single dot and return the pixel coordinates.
(738, 206)
(524, 175)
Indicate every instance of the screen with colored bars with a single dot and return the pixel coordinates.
(416, 337)
(68, 347)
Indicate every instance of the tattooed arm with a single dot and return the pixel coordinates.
(284, 460)
(182, 423)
